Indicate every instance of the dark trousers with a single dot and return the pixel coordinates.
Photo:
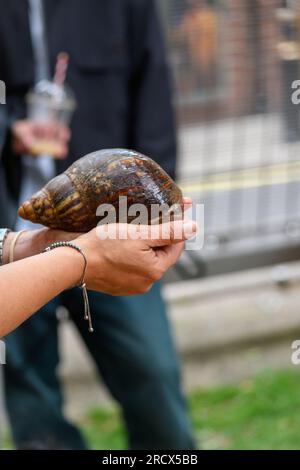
(133, 351)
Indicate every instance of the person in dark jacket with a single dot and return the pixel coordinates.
(119, 75)
(6, 214)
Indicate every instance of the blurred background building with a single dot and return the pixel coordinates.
(225, 55)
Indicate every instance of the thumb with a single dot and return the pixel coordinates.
(171, 233)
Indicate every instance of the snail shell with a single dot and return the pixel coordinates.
(70, 200)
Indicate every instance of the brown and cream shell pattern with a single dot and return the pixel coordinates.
(70, 200)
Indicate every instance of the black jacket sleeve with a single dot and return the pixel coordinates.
(153, 129)
(16, 69)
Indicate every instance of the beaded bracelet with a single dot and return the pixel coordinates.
(82, 285)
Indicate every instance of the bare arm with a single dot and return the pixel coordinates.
(115, 266)
(25, 286)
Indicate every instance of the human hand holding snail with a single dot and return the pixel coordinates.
(130, 263)
(114, 266)
(126, 264)
(33, 242)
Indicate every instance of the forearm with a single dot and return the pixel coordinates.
(25, 286)
(33, 242)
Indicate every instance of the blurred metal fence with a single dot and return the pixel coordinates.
(233, 63)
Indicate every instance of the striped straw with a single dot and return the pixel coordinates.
(62, 62)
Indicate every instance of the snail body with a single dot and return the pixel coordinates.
(70, 200)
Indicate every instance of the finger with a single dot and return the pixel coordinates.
(54, 129)
(61, 151)
(41, 130)
(64, 133)
(170, 233)
(28, 142)
(187, 200)
(59, 131)
(150, 236)
(187, 203)
(168, 255)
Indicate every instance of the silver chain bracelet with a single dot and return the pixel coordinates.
(82, 285)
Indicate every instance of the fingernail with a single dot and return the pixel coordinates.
(190, 229)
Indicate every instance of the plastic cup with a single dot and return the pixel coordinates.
(50, 103)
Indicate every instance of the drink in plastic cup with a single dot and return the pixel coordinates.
(49, 102)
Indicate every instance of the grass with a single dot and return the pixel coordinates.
(263, 413)
(104, 429)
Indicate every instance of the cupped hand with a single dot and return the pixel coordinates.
(127, 259)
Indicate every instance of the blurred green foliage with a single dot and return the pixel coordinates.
(263, 413)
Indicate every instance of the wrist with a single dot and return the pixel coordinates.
(71, 263)
(28, 244)
(6, 246)
(71, 269)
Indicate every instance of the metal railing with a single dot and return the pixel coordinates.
(233, 64)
